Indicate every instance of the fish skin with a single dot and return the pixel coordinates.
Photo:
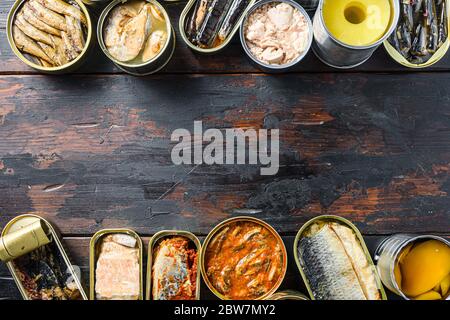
(26, 44)
(48, 16)
(328, 268)
(31, 31)
(61, 57)
(64, 8)
(29, 16)
(70, 51)
(75, 33)
(49, 51)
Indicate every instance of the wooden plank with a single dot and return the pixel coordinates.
(79, 251)
(231, 60)
(93, 152)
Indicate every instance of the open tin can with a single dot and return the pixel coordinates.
(156, 63)
(188, 15)
(387, 254)
(36, 258)
(333, 219)
(220, 233)
(287, 295)
(153, 246)
(94, 251)
(68, 67)
(337, 54)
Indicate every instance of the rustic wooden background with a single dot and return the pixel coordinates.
(92, 150)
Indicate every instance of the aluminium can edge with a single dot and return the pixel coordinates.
(185, 15)
(68, 67)
(358, 235)
(154, 240)
(214, 231)
(387, 253)
(56, 237)
(436, 57)
(146, 68)
(268, 67)
(287, 295)
(93, 258)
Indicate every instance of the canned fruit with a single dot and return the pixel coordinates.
(357, 22)
(431, 295)
(424, 267)
(174, 270)
(444, 286)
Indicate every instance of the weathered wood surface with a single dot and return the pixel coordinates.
(231, 60)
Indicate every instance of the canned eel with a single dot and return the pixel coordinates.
(174, 271)
(117, 272)
(335, 264)
(244, 261)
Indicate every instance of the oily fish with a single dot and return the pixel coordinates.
(135, 32)
(51, 32)
(336, 265)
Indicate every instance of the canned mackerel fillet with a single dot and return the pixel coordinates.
(172, 267)
(136, 35)
(35, 256)
(415, 267)
(345, 36)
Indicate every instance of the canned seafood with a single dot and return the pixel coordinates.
(37, 260)
(154, 44)
(243, 258)
(287, 295)
(334, 262)
(114, 255)
(338, 54)
(176, 254)
(50, 44)
(233, 13)
(387, 257)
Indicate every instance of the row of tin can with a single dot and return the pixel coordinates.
(26, 233)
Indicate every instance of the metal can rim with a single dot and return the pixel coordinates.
(213, 232)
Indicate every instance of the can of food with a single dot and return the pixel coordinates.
(173, 258)
(37, 260)
(278, 61)
(52, 51)
(391, 251)
(151, 29)
(288, 295)
(208, 26)
(338, 54)
(395, 53)
(243, 258)
(334, 261)
(116, 265)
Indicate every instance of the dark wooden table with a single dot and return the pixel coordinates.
(92, 150)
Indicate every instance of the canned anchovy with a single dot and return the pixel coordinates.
(346, 33)
(421, 36)
(334, 261)
(116, 265)
(415, 267)
(243, 258)
(208, 26)
(52, 36)
(37, 260)
(136, 35)
(172, 273)
(287, 295)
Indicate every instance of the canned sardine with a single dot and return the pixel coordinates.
(415, 267)
(136, 35)
(243, 258)
(172, 273)
(37, 260)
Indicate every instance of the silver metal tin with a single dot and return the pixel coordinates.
(387, 253)
(337, 54)
(269, 67)
(149, 67)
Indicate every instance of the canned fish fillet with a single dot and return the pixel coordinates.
(334, 261)
(243, 258)
(37, 260)
(172, 266)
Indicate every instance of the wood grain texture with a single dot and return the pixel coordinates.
(93, 152)
(231, 60)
